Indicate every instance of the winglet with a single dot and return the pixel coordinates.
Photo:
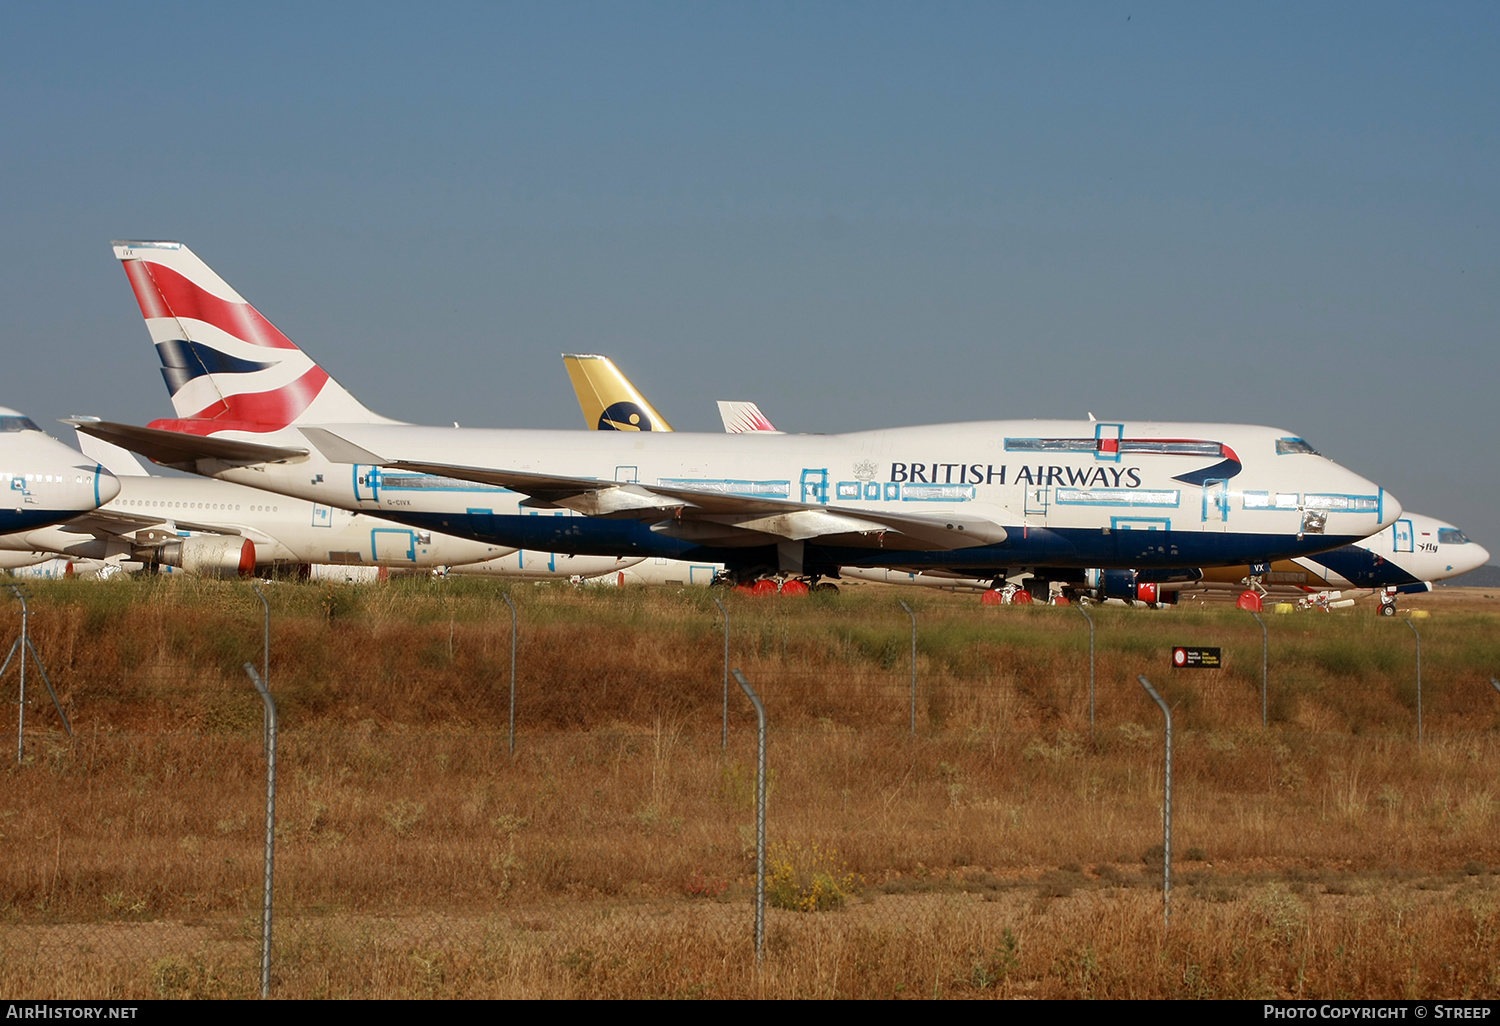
(113, 458)
(337, 449)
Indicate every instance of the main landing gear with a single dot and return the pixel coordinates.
(774, 584)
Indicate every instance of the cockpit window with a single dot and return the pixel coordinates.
(17, 424)
(1287, 446)
(1451, 536)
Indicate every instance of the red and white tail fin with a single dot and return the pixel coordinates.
(227, 367)
(740, 418)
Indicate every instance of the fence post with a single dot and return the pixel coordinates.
(23, 644)
(1166, 847)
(506, 596)
(265, 663)
(760, 817)
(1419, 679)
(21, 704)
(913, 665)
(1265, 665)
(41, 668)
(1090, 619)
(724, 737)
(265, 928)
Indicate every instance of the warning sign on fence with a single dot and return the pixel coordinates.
(1184, 658)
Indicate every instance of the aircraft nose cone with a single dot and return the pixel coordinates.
(108, 486)
(1478, 558)
(1390, 509)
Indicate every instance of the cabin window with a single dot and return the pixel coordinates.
(1350, 503)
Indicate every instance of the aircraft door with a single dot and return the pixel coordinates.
(815, 485)
(366, 483)
(536, 559)
(394, 545)
(1405, 536)
(481, 522)
(322, 516)
(1215, 504)
(1037, 501)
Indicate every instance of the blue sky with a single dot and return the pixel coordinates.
(858, 215)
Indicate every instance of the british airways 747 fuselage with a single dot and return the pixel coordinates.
(1026, 493)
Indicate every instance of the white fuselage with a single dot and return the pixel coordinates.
(1066, 493)
(43, 481)
(283, 529)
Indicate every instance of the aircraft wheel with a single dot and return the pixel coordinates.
(826, 586)
(1388, 609)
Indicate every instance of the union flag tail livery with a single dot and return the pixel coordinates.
(227, 367)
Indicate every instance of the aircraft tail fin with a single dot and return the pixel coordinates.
(608, 399)
(227, 368)
(740, 418)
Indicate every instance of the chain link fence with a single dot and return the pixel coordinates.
(994, 849)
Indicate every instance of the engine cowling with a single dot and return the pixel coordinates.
(1133, 586)
(212, 557)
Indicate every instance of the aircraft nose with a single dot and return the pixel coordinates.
(1390, 508)
(1478, 557)
(106, 486)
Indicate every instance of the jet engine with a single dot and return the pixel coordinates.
(210, 556)
(1139, 586)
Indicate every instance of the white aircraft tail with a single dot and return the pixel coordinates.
(740, 418)
(227, 367)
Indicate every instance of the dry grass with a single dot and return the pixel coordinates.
(1002, 850)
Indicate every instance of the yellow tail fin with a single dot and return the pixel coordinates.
(608, 399)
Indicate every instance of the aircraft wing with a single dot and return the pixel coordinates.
(147, 529)
(705, 512)
(180, 450)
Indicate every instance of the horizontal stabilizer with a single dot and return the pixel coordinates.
(182, 451)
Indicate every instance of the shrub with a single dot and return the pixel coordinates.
(809, 878)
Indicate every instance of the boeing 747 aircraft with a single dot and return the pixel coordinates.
(1405, 557)
(978, 498)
